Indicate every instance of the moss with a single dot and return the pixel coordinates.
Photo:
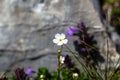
(119, 21)
(116, 12)
(109, 1)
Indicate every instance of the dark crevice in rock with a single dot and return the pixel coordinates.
(40, 56)
(53, 26)
(31, 59)
(15, 50)
(42, 1)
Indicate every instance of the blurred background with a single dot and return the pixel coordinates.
(27, 28)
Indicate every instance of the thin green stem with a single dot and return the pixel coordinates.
(114, 69)
(58, 67)
(107, 62)
(92, 47)
(59, 64)
(80, 63)
(1, 75)
(93, 68)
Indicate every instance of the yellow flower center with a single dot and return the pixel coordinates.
(60, 40)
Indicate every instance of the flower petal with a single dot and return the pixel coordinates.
(74, 29)
(55, 40)
(60, 43)
(57, 36)
(69, 33)
(62, 59)
(62, 36)
(65, 41)
(29, 71)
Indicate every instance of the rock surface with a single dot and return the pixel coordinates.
(27, 28)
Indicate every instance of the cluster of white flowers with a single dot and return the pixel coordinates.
(60, 39)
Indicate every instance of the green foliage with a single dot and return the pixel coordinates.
(109, 1)
(83, 77)
(116, 12)
(66, 74)
(43, 73)
(12, 77)
(54, 76)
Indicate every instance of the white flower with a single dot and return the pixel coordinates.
(75, 75)
(41, 76)
(60, 39)
(62, 59)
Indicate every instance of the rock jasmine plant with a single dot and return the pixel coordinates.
(60, 40)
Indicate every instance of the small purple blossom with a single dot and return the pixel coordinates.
(83, 49)
(30, 71)
(71, 31)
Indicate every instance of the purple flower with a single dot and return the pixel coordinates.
(30, 71)
(71, 31)
(83, 49)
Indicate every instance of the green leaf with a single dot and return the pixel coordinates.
(44, 73)
(66, 74)
(54, 76)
